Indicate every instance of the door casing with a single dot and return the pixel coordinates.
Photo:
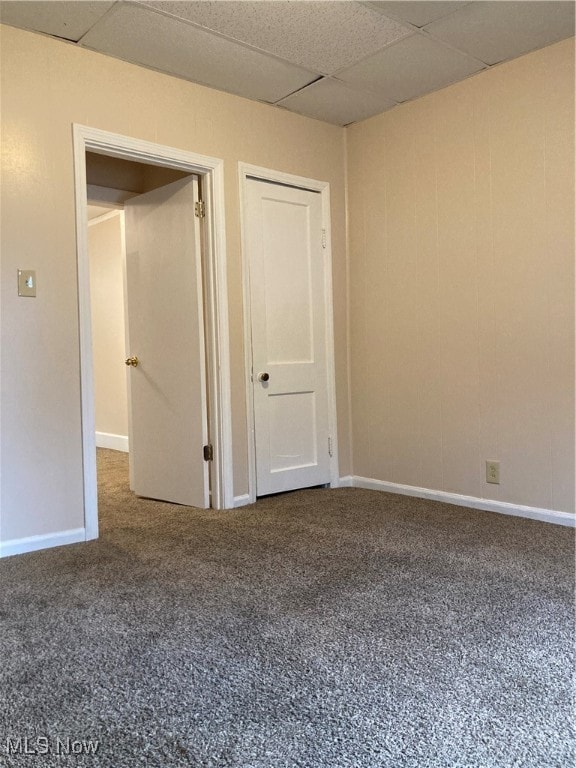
(211, 171)
(246, 170)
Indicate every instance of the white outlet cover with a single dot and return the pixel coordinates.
(493, 472)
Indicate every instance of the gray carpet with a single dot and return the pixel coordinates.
(318, 629)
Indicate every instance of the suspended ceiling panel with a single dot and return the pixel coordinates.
(323, 36)
(336, 102)
(140, 35)
(69, 20)
(418, 13)
(496, 31)
(410, 68)
(337, 61)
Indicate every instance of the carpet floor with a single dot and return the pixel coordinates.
(315, 629)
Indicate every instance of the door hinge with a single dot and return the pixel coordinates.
(208, 453)
(200, 209)
(330, 452)
(323, 238)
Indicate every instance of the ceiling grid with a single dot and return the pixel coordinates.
(334, 60)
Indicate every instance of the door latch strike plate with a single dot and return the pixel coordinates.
(208, 453)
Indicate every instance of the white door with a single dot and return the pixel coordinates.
(167, 388)
(288, 311)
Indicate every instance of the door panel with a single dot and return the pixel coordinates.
(168, 425)
(288, 311)
(292, 431)
(287, 280)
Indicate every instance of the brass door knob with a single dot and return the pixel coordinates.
(131, 361)
(263, 376)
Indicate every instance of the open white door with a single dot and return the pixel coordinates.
(288, 316)
(167, 387)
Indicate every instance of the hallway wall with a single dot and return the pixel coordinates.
(106, 255)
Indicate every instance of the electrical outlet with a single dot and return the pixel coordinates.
(493, 472)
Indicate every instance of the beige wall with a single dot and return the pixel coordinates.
(48, 85)
(461, 210)
(108, 327)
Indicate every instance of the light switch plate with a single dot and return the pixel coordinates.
(26, 282)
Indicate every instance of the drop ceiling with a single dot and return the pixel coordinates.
(334, 60)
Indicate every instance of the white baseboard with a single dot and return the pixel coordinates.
(345, 482)
(115, 442)
(486, 505)
(241, 501)
(44, 541)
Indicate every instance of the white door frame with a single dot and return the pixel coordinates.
(246, 170)
(216, 306)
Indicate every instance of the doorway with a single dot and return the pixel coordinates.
(215, 316)
(290, 385)
(106, 251)
(156, 326)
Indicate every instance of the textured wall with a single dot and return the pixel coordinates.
(461, 209)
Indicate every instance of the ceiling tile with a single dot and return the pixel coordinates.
(324, 36)
(415, 12)
(140, 35)
(410, 68)
(496, 31)
(335, 102)
(69, 20)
